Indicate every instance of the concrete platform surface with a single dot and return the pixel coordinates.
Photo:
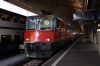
(81, 54)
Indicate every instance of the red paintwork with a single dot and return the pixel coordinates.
(42, 35)
(61, 35)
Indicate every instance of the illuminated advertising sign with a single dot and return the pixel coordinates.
(98, 15)
(85, 16)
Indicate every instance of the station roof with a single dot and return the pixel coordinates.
(61, 8)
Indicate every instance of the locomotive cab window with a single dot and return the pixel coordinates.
(48, 24)
(45, 24)
(42, 24)
(39, 24)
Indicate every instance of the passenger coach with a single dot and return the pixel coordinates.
(12, 27)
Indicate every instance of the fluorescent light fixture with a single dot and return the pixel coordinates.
(98, 30)
(98, 25)
(13, 8)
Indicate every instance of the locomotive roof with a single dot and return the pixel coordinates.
(44, 16)
(41, 16)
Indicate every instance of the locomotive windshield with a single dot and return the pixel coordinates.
(40, 24)
(31, 24)
(45, 24)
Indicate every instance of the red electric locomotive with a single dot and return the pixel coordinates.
(45, 34)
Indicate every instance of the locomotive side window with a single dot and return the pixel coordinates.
(66, 28)
(62, 26)
(71, 31)
(58, 26)
(5, 38)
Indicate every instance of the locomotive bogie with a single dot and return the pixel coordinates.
(39, 49)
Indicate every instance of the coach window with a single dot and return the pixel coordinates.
(22, 21)
(5, 38)
(8, 19)
(11, 18)
(3, 17)
(0, 16)
(15, 19)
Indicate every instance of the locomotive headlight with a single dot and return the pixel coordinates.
(27, 39)
(48, 39)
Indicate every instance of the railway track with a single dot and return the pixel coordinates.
(30, 62)
(33, 61)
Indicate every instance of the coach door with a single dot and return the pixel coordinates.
(17, 38)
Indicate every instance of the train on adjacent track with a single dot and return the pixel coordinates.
(12, 26)
(45, 34)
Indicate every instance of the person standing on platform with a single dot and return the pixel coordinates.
(84, 40)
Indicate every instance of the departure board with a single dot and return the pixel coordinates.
(85, 16)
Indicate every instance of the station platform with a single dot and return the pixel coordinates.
(79, 54)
